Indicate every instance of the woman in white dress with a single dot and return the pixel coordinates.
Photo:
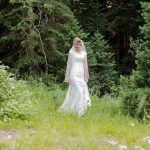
(77, 99)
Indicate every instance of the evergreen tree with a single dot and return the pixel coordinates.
(116, 21)
(136, 90)
(123, 20)
(103, 72)
(90, 14)
(36, 35)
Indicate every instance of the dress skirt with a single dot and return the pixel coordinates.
(77, 99)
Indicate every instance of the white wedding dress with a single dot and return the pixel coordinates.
(77, 99)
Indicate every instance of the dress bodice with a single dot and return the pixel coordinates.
(77, 66)
(78, 57)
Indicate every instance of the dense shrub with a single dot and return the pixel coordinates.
(15, 97)
(135, 100)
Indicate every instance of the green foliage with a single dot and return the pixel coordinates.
(102, 65)
(123, 21)
(15, 97)
(135, 100)
(36, 35)
(135, 90)
(95, 20)
(103, 121)
(116, 21)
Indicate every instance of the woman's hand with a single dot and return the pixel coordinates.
(69, 81)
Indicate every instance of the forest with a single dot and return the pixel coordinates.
(35, 38)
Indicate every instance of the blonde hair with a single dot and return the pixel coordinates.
(76, 40)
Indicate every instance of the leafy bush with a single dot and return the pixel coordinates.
(135, 101)
(15, 97)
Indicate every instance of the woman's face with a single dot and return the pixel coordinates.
(77, 46)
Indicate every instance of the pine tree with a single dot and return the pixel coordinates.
(136, 89)
(103, 72)
(143, 56)
(36, 35)
(123, 20)
(90, 14)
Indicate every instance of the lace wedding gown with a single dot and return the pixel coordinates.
(77, 99)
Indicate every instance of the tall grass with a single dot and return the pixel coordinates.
(48, 129)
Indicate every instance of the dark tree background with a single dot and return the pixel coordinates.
(117, 21)
(36, 35)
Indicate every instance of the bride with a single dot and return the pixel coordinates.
(77, 99)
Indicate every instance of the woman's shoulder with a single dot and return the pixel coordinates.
(85, 53)
(70, 52)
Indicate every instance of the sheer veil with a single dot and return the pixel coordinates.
(83, 46)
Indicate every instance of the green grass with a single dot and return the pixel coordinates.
(50, 130)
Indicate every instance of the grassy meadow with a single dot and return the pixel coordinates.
(103, 127)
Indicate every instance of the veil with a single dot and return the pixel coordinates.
(82, 47)
(69, 63)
